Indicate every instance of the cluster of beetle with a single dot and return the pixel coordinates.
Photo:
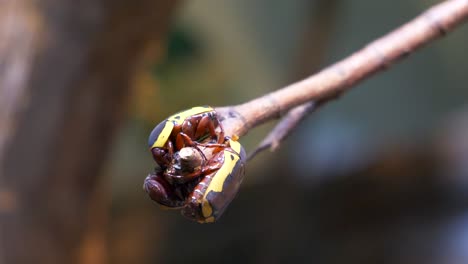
(200, 169)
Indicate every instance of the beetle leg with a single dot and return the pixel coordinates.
(210, 123)
(214, 163)
(160, 191)
(170, 148)
(211, 168)
(211, 145)
(218, 147)
(189, 128)
(179, 141)
(221, 138)
(207, 124)
(161, 156)
(187, 140)
(183, 139)
(202, 126)
(182, 179)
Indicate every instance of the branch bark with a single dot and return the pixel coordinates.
(317, 35)
(341, 76)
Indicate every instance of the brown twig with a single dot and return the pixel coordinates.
(320, 25)
(339, 77)
(292, 119)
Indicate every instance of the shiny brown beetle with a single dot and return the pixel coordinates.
(186, 128)
(205, 198)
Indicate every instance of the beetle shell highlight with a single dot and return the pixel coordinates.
(215, 191)
(161, 133)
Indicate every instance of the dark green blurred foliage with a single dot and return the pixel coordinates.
(182, 47)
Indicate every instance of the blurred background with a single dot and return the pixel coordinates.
(378, 176)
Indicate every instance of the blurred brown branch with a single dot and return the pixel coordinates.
(339, 77)
(65, 69)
